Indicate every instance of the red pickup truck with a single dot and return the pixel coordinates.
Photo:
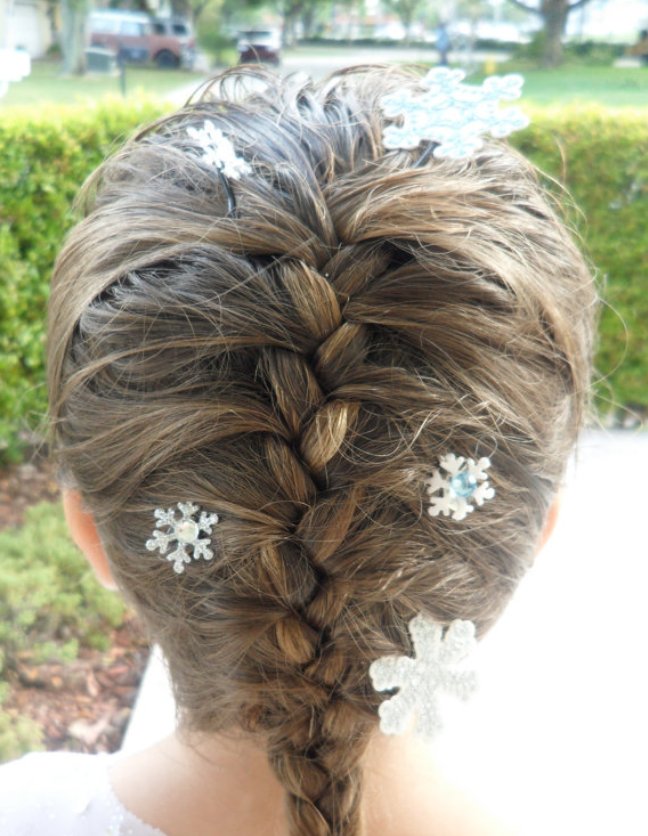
(135, 36)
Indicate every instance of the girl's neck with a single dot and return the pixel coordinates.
(224, 786)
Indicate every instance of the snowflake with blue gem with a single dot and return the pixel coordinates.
(457, 483)
(420, 679)
(456, 116)
(184, 530)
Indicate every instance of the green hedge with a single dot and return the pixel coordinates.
(44, 158)
(600, 155)
(50, 602)
(50, 607)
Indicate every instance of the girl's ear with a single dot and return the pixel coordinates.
(83, 530)
(550, 523)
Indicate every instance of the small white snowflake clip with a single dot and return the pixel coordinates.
(184, 530)
(456, 484)
(218, 150)
(453, 115)
(419, 679)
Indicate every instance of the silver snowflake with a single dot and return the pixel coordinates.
(218, 151)
(419, 679)
(185, 531)
(460, 481)
(452, 114)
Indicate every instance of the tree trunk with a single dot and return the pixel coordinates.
(55, 35)
(554, 13)
(73, 14)
(407, 26)
(406, 10)
(309, 19)
(67, 36)
(291, 12)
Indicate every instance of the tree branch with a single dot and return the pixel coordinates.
(527, 8)
(577, 4)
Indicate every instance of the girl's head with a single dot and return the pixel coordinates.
(298, 369)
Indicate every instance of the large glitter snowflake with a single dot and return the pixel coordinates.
(452, 114)
(218, 151)
(185, 531)
(419, 679)
(455, 484)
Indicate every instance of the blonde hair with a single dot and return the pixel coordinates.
(299, 369)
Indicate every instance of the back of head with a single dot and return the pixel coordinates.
(298, 369)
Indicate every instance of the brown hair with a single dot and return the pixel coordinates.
(298, 369)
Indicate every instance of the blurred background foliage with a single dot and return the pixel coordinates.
(50, 607)
(44, 157)
(601, 157)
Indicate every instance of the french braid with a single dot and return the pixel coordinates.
(299, 368)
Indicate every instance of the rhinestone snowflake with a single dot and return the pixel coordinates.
(452, 114)
(218, 151)
(185, 531)
(458, 480)
(419, 679)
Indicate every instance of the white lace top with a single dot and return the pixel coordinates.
(64, 794)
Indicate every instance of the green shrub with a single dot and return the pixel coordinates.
(44, 157)
(18, 735)
(593, 53)
(50, 606)
(601, 156)
(50, 602)
(588, 53)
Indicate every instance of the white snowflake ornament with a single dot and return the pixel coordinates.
(185, 531)
(218, 151)
(419, 679)
(454, 115)
(456, 484)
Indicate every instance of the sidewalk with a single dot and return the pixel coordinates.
(557, 735)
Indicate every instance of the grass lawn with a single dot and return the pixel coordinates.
(605, 85)
(609, 86)
(45, 84)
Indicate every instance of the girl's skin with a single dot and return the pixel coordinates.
(192, 786)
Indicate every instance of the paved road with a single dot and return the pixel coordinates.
(557, 734)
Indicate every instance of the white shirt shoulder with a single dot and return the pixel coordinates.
(63, 794)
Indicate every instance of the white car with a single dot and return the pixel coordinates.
(259, 45)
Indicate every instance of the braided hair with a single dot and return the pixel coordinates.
(298, 368)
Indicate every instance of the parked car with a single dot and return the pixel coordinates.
(257, 45)
(138, 37)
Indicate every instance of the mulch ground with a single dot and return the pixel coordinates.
(24, 485)
(84, 705)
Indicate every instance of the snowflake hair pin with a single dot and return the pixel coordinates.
(419, 679)
(185, 531)
(456, 484)
(218, 151)
(453, 115)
